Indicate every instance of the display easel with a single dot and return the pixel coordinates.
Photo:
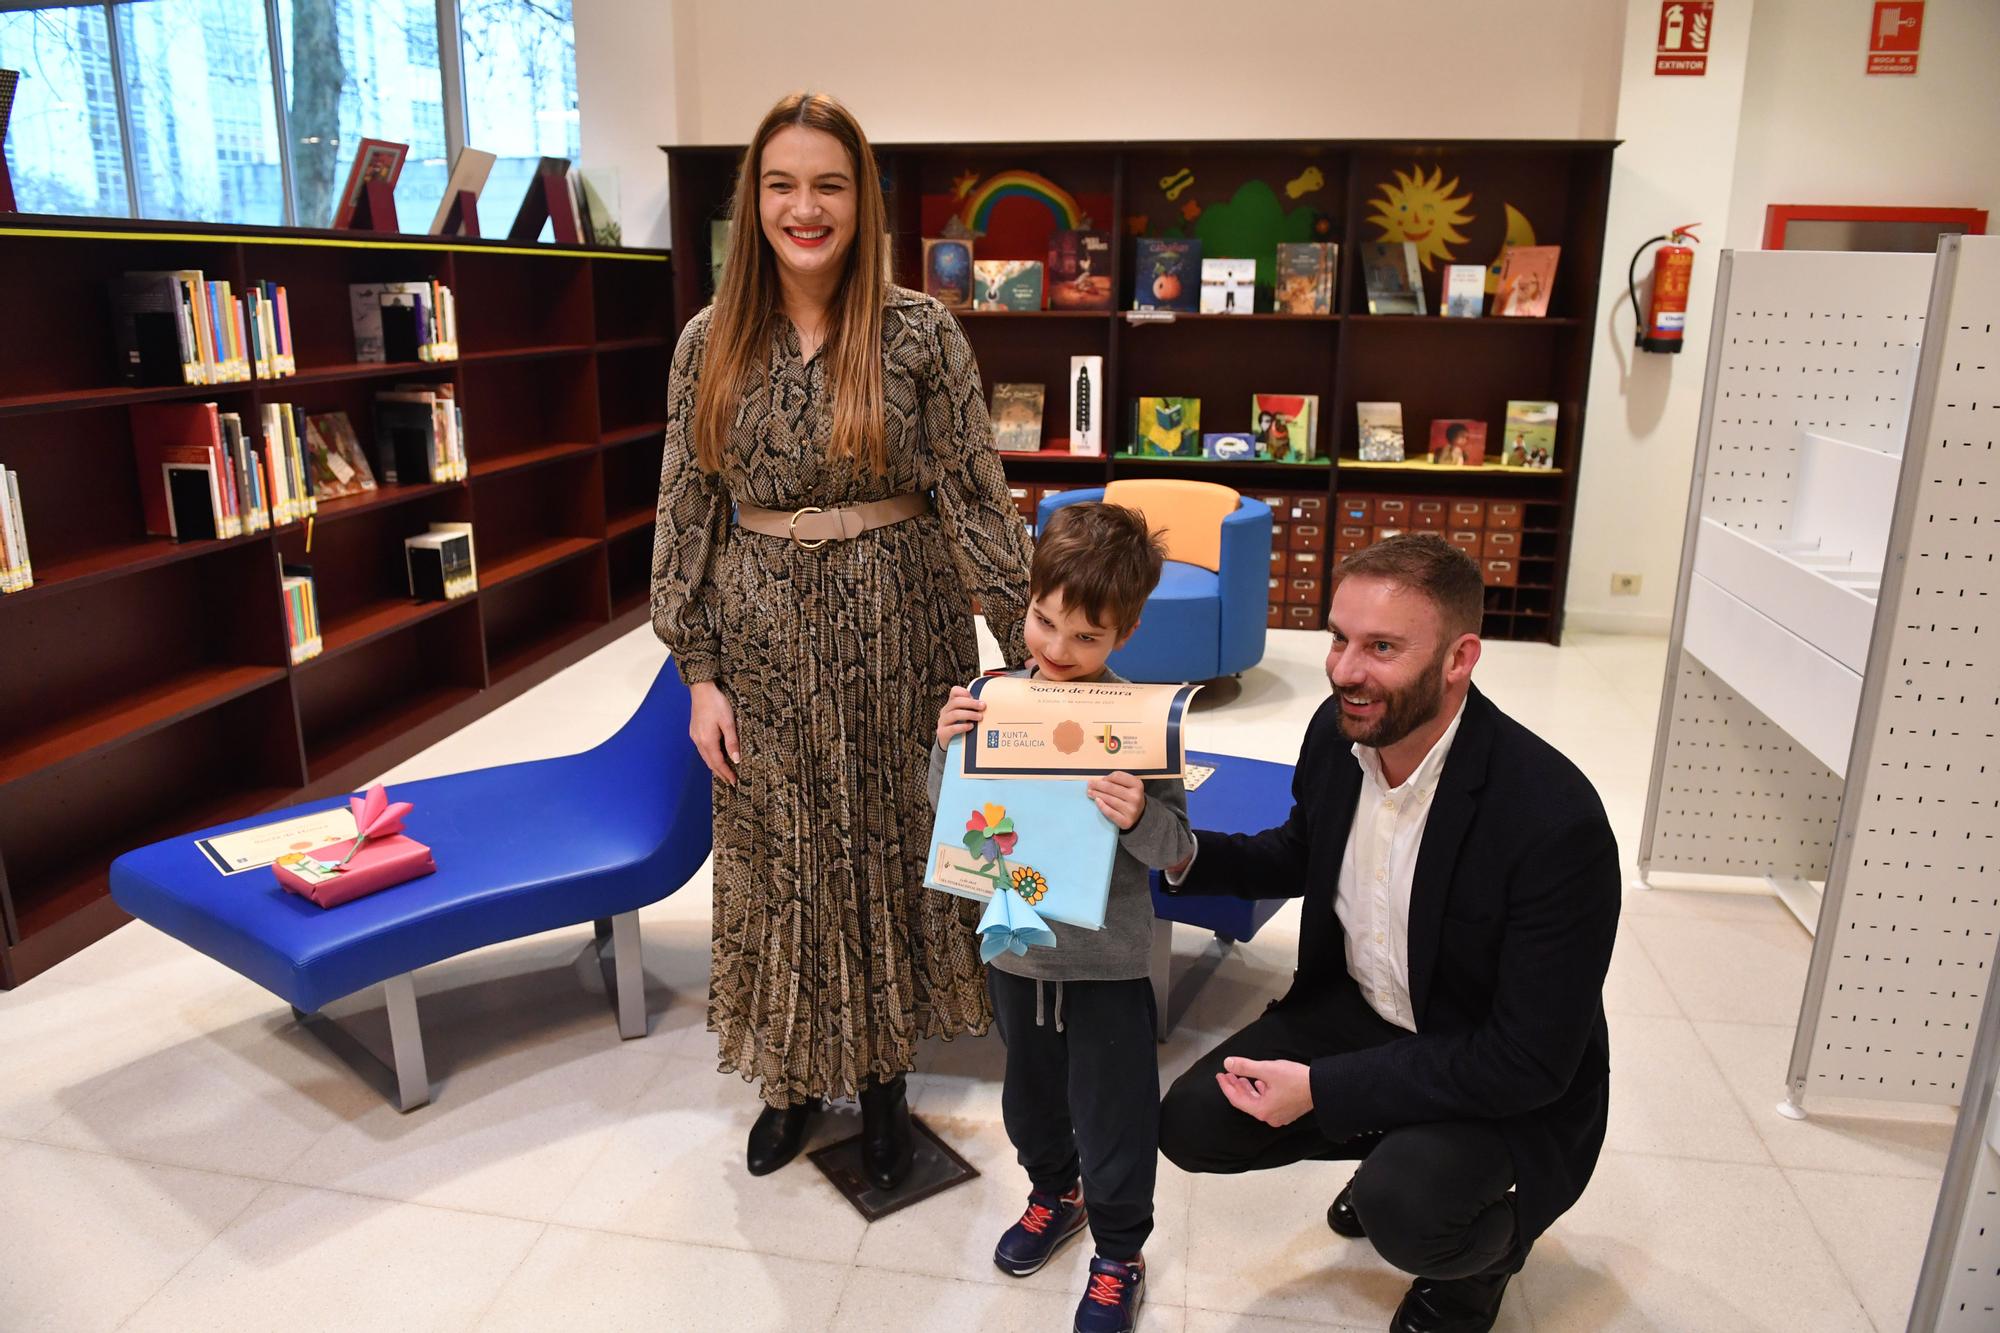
(542, 204)
(462, 218)
(376, 209)
(7, 204)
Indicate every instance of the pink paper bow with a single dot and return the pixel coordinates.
(374, 816)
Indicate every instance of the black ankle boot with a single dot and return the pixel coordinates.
(778, 1134)
(885, 1133)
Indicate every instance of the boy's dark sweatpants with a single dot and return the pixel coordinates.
(1082, 1096)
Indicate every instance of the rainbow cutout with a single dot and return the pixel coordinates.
(981, 196)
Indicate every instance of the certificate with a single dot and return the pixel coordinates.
(252, 848)
(1076, 729)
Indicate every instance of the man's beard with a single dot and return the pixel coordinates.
(1403, 711)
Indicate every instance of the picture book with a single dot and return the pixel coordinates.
(1527, 277)
(1168, 427)
(948, 271)
(339, 467)
(1079, 271)
(1017, 417)
(1464, 291)
(1395, 283)
(1228, 286)
(1284, 425)
(374, 160)
(1237, 446)
(1166, 274)
(1006, 284)
(1305, 277)
(1529, 438)
(1381, 431)
(1458, 442)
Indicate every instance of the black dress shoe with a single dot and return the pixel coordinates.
(886, 1149)
(1456, 1305)
(1341, 1217)
(777, 1136)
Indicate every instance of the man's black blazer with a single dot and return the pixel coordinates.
(1513, 911)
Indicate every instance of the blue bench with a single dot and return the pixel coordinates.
(1241, 796)
(520, 849)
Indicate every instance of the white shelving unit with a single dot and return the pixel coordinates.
(1833, 686)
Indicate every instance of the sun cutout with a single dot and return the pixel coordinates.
(1422, 210)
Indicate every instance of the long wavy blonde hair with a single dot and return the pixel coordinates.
(748, 302)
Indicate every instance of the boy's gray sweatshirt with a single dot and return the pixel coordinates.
(1120, 951)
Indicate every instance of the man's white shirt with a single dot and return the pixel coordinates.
(1377, 870)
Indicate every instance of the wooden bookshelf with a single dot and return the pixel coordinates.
(1435, 367)
(146, 681)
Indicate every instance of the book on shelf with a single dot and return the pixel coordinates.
(179, 327)
(374, 160)
(1166, 274)
(285, 469)
(1527, 277)
(170, 442)
(1007, 284)
(1079, 271)
(439, 564)
(948, 271)
(1381, 426)
(1464, 290)
(471, 550)
(1285, 426)
(1167, 427)
(1086, 413)
(1394, 283)
(267, 313)
(339, 467)
(419, 435)
(719, 230)
(1458, 442)
(1228, 286)
(468, 175)
(1017, 418)
(17, 568)
(1305, 277)
(239, 453)
(1229, 446)
(1528, 439)
(403, 321)
(302, 633)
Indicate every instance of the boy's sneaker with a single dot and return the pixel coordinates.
(1110, 1303)
(1050, 1220)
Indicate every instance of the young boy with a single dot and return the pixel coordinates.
(1082, 1089)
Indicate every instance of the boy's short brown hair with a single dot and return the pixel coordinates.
(1425, 563)
(1102, 559)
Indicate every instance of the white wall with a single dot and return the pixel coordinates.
(1675, 166)
(624, 84)
(1817, 130)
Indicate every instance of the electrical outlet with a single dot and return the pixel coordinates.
(1624, 585)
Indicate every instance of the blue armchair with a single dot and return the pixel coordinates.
(1207, 617)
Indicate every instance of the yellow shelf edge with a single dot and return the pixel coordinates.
(402, 241)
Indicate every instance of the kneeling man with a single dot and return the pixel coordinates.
(1445, 1025)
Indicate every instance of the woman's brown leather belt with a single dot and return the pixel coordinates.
(813, 528)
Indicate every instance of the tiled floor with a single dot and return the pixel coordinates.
(174, 1154)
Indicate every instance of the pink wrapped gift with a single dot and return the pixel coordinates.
(380, 858)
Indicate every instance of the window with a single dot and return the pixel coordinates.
(200, 123)
(520, 94)
(363, 69)
(63, 149)
(204, 123)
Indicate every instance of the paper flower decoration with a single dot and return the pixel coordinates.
(1029, 883)
(374, 817)
(1011, 926)
(989, 834)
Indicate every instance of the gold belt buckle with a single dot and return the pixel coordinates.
(793, 528)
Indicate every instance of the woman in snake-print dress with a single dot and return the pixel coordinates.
(818, 673)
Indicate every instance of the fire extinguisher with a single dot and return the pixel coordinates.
(1661, 328)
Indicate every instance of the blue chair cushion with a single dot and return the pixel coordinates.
(1241, 796)
(520, 849)
(1180, 632)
